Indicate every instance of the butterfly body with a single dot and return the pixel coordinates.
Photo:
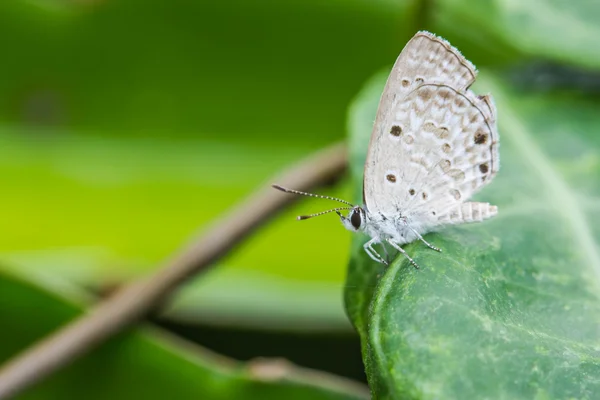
(382, 228)
(434, 144)
(395, 230)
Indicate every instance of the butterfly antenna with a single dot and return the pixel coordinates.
(312, 195)
(337, 210)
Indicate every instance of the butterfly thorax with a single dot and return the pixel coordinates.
(399, 228)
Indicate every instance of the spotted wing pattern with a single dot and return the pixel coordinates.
(434, 143)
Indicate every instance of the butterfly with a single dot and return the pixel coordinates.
(434, 144)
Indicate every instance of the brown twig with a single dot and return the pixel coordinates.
(276, 370)
(268, 369)
(137, 299)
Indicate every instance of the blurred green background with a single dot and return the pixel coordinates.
(126, 126)
(129, 125)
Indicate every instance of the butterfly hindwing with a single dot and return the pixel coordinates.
(454, 152)
(436, 149)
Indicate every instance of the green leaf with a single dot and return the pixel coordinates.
(510, 309)
(141, 363)
(560, 30)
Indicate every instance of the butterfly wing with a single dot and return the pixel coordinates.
(426, 124)
(425, 58)
(448, 151)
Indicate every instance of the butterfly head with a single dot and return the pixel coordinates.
(356, 219)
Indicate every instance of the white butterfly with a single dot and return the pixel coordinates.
(434, 144)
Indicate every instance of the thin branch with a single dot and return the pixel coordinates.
(137, 299)
(276, 370)
(263, 369)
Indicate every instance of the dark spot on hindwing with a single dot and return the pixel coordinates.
(391, 178)
(412, 192)
(480, 137)
(484, 168)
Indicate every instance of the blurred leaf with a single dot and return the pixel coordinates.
(244, 71)
(135, 199)
(140, 364)
(510, 309)
(267, 302)
(560, 30)
(99, 211)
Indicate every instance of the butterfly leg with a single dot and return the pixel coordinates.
(401, 250)
(387, 255)
(424, 241)
(372, 253)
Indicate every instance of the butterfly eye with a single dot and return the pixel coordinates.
(355, 219)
